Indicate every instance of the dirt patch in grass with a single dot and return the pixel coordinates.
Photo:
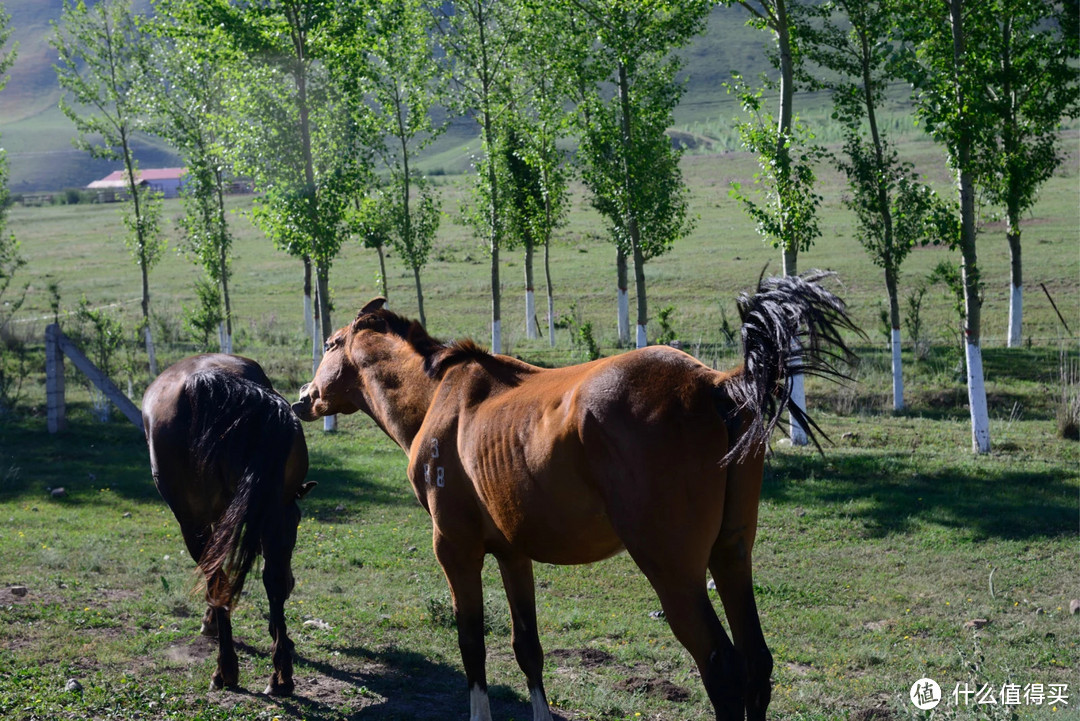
(654, 688)
(585, 657)
(873, 714)
(192, 651)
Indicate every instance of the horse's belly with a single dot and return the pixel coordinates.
(562, 533)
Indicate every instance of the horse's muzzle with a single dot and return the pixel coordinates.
(303, 408)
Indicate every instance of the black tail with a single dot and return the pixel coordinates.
(791, 325)
(242, 434)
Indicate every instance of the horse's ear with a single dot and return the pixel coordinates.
(372, 306)
(305, 488)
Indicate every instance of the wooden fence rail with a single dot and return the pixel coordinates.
(57, 345)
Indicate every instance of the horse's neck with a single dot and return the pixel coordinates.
(399, 396)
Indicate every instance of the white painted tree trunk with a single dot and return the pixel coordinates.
(980, 418)
(642, 339)
(150, 351)
(224, 338)
(551, 321)
(624, 316)
(897, 375)
(798, 397)
(1016, 315)
(531, 331)
(496, 336)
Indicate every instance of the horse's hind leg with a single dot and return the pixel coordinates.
(730, 567)
(517, 576)
(227, 672)
(278, 542)
(680, 584)
(195, 537)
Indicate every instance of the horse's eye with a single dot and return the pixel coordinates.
(327, 346)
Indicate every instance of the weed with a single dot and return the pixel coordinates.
(203, 319)
(581, 333)
(667, 332)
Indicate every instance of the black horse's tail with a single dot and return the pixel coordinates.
(242, 435)
(791, 325)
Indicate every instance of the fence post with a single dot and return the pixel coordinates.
(54, 380)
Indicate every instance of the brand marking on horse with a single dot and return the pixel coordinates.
(434, 447)
(440, 477)
(427, 473)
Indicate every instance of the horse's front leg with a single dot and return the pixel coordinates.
(277, 543)
(517, 576)
(462, 562)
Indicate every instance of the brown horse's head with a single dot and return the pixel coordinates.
(336, 387)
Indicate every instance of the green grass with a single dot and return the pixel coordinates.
(869, 562)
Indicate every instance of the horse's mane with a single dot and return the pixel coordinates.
(438, 356)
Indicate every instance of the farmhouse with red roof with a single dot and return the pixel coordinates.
(113, 186)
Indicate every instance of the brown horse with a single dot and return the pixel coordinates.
(649, 451)
(229, 457)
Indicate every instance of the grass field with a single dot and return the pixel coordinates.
(870, 564)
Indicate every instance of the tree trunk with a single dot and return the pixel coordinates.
(322, 295)
(799, 436)
(531, 330)
(382, 271)
(623, 298)
(631, 219)
(550, 293)
(894, 323)
(419, 293)
(980, 420)
(642, 305)
(1016, 298)
(223, 264)
(309, 313)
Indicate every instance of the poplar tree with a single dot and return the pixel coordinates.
(1032, 87)
(479, 38)
(185, 91)
(946, 61)
(849, 40)
(627, 161)
(102, 59)
(404, 80)
(786, 155)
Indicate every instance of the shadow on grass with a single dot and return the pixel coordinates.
(395, 684)
(90, 456)
(891, 492)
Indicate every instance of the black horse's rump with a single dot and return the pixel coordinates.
(242, 433)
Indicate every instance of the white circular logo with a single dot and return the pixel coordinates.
(925, 694)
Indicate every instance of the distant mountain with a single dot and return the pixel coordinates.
(37, 136)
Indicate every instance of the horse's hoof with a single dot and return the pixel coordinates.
(279, 689)
(208, 629)
(216, 684)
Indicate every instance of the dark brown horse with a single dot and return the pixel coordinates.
(229, 457)
(649, 451)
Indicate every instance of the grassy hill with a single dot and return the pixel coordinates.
(37, 136)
